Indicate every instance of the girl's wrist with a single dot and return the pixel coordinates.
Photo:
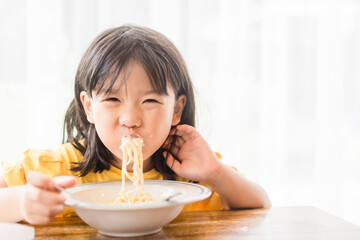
(216, 174)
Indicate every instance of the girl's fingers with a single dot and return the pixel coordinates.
(38, 213)
(39, 219)
(44, 196)
(179, 141)
(57, 209)
(40, 181)
(172, 163)
(44, 210)
(174, 150)
(65, 181)
(169, 144)
(181, 133)
(186, 132)
(42, 202)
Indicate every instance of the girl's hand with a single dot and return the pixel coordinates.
(41, 201)
(191, 157)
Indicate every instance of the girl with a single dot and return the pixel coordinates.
(131, 80)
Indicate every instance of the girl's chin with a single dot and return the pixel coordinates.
(118, 159)
(147, 166)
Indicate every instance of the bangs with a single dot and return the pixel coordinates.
(109, 72)
(111, 55)
(155, 68)
(106, 81)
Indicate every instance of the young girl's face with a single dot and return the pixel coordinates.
(133, 108)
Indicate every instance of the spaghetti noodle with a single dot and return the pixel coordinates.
(132, 152)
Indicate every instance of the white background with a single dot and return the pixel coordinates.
(277, 82)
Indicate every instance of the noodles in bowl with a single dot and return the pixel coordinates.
(139, 208)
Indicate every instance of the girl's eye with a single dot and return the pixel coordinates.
(112, 99)
(151, 101)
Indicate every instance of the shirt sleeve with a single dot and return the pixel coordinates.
(13, 173)
(49, 162)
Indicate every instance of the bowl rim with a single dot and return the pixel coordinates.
(205, 192)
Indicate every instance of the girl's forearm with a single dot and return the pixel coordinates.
(237, 191)
(10, 204)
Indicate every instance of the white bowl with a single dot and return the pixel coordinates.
(128, 220)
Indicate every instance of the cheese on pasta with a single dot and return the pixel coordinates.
(131, 148)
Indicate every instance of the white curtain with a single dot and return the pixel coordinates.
(277, 82)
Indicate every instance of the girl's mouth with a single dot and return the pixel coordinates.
(132, 135)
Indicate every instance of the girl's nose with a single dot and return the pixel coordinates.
(130, 117)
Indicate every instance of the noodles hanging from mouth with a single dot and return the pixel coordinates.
(132, 152)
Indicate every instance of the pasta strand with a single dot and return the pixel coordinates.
(132, 152)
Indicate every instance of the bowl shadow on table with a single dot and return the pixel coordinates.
(221, 224)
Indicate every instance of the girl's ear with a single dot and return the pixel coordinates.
(86, 102)
(178, 109)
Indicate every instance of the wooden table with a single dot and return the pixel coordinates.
(277, 223)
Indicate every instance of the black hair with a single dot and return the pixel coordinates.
(106, 57)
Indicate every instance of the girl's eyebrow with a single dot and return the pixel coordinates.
(153, 91)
